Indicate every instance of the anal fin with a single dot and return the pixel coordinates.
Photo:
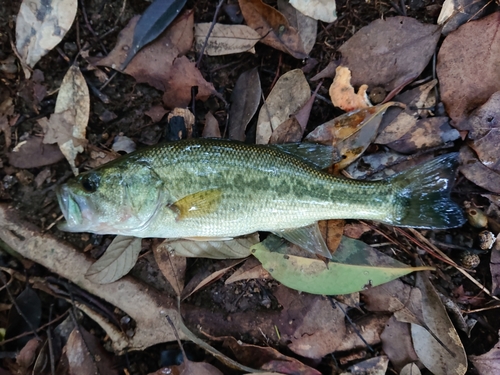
(309, 238)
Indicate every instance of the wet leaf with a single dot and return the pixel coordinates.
(245, 100)
(307, 27)
(273, 27)
(313, 276)
(224, 39)
(289, 94)
(342, 93)
(116, 262)
(448, 356)
(487, 363)
(40, 26)
(426, 133)
(350, 133)
(86, 356)
(467, 67)
(152, 23)
(67, 126)
(322, 10)
(390, 52)
(33, 153)
(229, 249)
(171, 266)
(477, 172)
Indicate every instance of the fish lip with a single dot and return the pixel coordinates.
(70, 209)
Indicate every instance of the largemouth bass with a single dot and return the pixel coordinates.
(219, 189)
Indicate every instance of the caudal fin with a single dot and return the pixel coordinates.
(423, 193)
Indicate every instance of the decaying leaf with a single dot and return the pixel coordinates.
(33, 153)
(426, 133)
(372, 366)
(397, 344)
(171, 266)
(224, 39)
(307, 27)
(245, 100)
(342, 93)
(455, 13)
(156, 18)
(251, 269)
(410, 369)
(67, 126)
(211, 128)
(117, 261)
(273, 27)
(289, 94)
(390, 52)
(448, 356)
(332, 233)
(477, 172)
(40, 26)
(467, 67)
(487, 363)
(495, 268)
(355, 273)
(229, 249)
(322, 10)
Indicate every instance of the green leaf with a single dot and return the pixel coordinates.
(316, 277)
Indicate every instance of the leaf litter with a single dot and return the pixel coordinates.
(412, 130)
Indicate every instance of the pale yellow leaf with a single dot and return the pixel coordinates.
(322, 10)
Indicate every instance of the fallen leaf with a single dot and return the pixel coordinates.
(123, 143)
(33, 153)
(372, 366)
(289, 94)
(116, 262)
(426, 133)
(155, 19)
(229, 249)
(390, 52)
(211, 128)
(332, 233)
(477, 172)
(313, 276)
(27, 355)
(487, 363)
(289, 131)
(410, 369)
(171, 266)
(448, 356)
(397, 344)
(273, 27)
(40, 26)
(342, 93)
(224, 39)
(495, 268)
(455, 13)
(467, 67)
(156, 113)
(67, 126)
(307, 27)
(322, 10)
(86, 356)
(251, 269)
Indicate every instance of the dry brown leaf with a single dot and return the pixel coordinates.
(156, 113)
(251, 269)
(67, 126)
(307, 27)
(33, 153)
(245, 101)
(27, 355)
(211, 128)
(322, 10)
(487, 363)
(273, 27)
(342, 93)
(40, 26)
(477, 172)
(171, 266)
(289, 131)
(224, 39)
(425, 133)
(289, 94)
(332, 231)
(467, 67)
(397, 344)
(390, 52)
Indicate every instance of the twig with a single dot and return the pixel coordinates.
(212, 25)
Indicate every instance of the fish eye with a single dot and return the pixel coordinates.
(90, 182)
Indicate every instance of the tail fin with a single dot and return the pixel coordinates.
(423, 193)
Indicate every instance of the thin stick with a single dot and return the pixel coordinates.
(212, 25)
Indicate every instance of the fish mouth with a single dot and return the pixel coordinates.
(70, 209)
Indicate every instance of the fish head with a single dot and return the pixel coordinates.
(116, 199)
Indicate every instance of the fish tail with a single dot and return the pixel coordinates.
(423, 195)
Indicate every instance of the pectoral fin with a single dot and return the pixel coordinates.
(308, 238)
(197, 204)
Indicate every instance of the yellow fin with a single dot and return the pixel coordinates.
(197, 204)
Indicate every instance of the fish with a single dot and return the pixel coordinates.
(213, 189)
